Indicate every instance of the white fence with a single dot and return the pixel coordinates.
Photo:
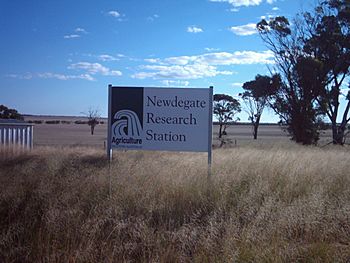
(16, 134)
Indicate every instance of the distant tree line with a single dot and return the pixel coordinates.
(92, 115)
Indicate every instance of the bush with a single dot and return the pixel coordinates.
(80, 122)
(35, 121)
(66, 122)
(53, 122)
(7, 113)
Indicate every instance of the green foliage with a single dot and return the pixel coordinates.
(53, 122)
(80, 122)
(302, 77)
(35, 121)
(280, 24)
(256, 96)
(329, 45)
(262, 86)
(66, 122)
(225, 107)
(7, 113)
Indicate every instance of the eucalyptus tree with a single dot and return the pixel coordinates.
(225, 107)
(313, 58)
(256, 97)
(329, 44)
(295, 100)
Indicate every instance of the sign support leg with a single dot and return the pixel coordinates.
(209, 165)
(110, 156)
(210, 130)
(109, 146)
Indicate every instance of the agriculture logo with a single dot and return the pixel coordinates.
(127, 128)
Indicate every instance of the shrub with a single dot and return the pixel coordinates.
(80, 122)
(35, 121)
(53, 122)
(66, 122)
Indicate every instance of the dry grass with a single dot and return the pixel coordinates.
(264, 204)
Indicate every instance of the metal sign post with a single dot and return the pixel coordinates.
(109, 148)
(210, 130)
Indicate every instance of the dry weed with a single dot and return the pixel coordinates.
(263, 204)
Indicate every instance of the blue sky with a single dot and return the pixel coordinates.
(58, 57)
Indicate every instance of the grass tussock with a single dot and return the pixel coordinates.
(263, 204)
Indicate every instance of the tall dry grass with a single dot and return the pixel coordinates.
(263, 204)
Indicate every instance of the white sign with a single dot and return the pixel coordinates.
(171, 119)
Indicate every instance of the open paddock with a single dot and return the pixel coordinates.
(79, 134)
(269, 200)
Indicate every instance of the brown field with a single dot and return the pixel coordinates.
(79, 134)
(266, 201)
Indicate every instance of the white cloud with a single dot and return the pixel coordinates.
(177, 83)
(209, 49)
(71, 36)
(153, 17)
(201, 66)
(20, 76)
(152, 60)
(120, 56)
(236, 58)
(268, 16)
(95, 68)
(193, 71)
(238, 3)
(234, 10)
(194, 29)
(106, 57)
(244, 30)
(90, 68)
(237, 84)
(275, 8)
(80, 30)
(114, 13)
(181, 60)
(49, 75)
(120, 17)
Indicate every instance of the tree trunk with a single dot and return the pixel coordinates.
(92, 129)
(338, 133)
(255, 131)
(224, 130)
(334, 132)
(255, 128)
(220, 130)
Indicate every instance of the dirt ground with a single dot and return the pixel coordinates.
(73, 134)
